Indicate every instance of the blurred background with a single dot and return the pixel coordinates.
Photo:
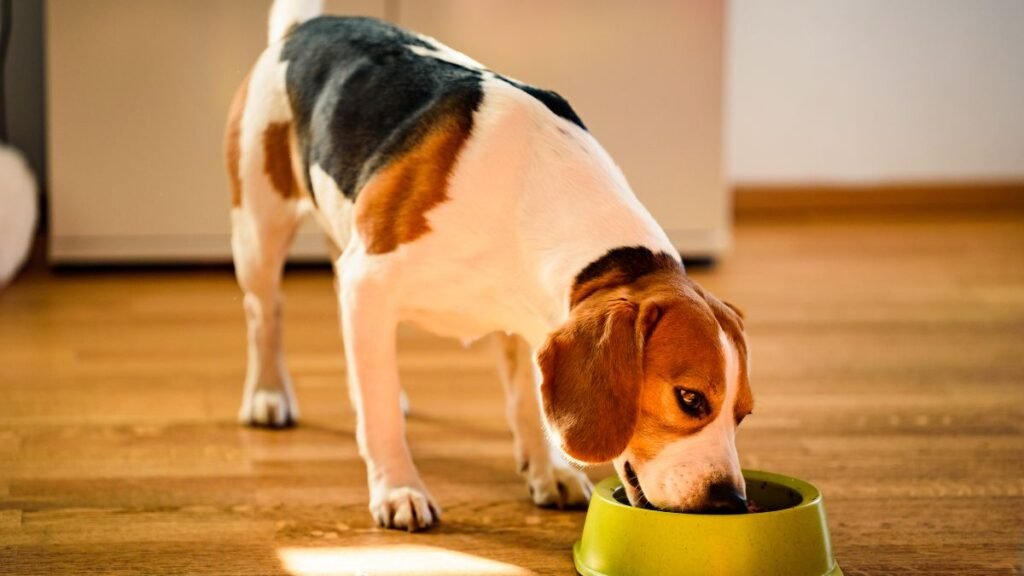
(854, 171)
(119, 106)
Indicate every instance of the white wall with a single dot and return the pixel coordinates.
(875, 90)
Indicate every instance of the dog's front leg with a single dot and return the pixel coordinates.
(398, 498)
(551, 481)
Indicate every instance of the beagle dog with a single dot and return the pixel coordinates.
(470, 203)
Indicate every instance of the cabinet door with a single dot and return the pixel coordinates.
(138, 93)
(646, 77)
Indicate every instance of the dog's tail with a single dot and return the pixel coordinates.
(286, 14)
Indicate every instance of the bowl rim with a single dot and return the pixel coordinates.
(810, 495)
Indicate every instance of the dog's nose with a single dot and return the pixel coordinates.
(724, 498)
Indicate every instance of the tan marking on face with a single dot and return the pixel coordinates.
(684, 340)
(392, 208)
(277, 159)
(684, 351)
(232, 141)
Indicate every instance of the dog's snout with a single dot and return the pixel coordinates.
(724, 498)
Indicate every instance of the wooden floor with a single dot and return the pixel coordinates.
(888, 367)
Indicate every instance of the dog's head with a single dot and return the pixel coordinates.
(651, 373)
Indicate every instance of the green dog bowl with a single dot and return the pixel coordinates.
(789, 537)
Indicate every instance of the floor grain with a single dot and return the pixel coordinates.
(888, 368)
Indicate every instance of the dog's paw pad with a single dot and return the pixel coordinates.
(404, 508)
(560, 488)
(270, 409)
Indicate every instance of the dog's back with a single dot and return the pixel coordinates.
(347, 97)
(361, 97)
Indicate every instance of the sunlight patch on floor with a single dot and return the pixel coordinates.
(391, 560)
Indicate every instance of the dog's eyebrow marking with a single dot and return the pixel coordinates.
(689, 373)
(277, 158)
(391, 209)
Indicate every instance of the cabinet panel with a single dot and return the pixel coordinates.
(138, 93)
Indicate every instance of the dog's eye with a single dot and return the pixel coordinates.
(692, 402)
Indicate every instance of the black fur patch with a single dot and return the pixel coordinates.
(360, 97)
(552, 100)
(633, 261)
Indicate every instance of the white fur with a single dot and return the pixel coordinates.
(447, 54)
(334, 209)
(267, 99)
(678, 478)
(18, 212)
(530, 202)
(286, 13)
(262, 228)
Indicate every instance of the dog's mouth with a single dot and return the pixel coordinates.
(638, 491)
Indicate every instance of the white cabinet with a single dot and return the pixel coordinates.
(138, 92)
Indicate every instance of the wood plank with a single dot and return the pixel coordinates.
(888, 367)
(759, 199)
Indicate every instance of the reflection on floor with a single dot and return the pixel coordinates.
(390, 561)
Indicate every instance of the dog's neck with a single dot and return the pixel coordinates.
(584, 217)
(621, 267)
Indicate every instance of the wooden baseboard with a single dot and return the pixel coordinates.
(768, 199)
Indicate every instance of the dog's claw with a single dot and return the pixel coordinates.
(404, 508)
(269, 409)
(560, 487)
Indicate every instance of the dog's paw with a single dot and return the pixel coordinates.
(404, 508)
(269, 409)
(559, 487)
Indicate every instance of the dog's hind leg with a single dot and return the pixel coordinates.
(264, 216)
(552, 482)
(260, 246)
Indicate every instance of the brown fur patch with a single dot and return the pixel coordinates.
(623, 267)
(592, 377)
(232, 141)
(391, 209)
(684, 350)
(277, 159)
(677, 344)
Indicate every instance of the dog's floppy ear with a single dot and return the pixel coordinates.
(592, 373)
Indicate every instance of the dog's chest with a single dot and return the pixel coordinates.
(465, 303)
